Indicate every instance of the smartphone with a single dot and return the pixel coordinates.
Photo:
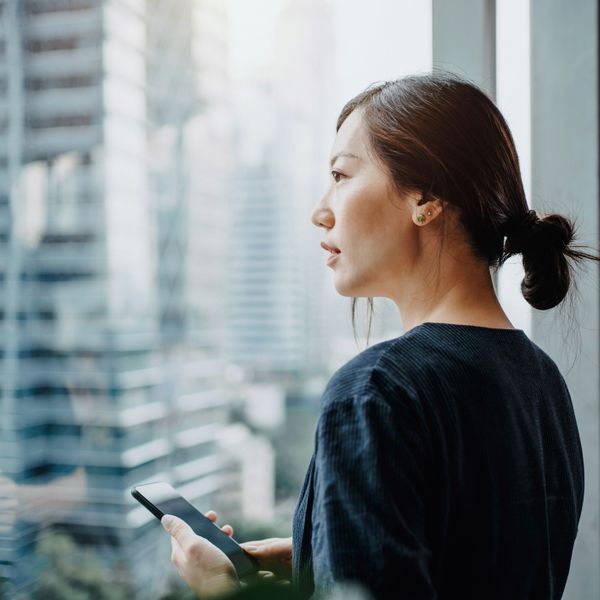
(160, 498)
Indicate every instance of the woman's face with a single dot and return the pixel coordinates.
(367, 220)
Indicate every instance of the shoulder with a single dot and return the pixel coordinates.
(372, 405)
(549, 376)
(399, 367)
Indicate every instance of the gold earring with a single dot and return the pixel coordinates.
(421, 217)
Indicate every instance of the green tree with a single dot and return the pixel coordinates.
(66, 571)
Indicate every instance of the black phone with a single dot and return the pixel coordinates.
(160, 499)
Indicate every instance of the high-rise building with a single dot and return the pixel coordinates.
(276, 306)
(113, 162)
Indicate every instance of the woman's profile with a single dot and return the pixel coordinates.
(447, 461)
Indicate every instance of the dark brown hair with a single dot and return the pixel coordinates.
(442, 136)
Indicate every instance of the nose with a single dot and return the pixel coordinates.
(321, 215)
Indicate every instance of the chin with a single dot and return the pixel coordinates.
(350, 290)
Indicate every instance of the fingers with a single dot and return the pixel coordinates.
(179, 530)
(212, 515)
(249, 547)
(174, 549)
(176, 554)
(271, 555)
(256, 543)
(262, 542)
(272, 546)
(262, 575)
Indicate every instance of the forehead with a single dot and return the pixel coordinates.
(351, 136)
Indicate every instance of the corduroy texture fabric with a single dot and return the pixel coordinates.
(447, 464)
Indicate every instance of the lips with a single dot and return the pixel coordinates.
(332, 249)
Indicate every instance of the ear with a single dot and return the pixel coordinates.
(424, 213)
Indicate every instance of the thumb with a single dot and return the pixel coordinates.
(167, 521)
(250, 548)
(179, 529)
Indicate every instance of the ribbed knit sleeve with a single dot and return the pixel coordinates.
(371, 486)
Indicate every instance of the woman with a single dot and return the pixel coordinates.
(447, 462)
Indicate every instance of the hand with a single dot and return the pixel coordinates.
(204, 567)
(274, 555)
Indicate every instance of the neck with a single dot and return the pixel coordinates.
(464, 295)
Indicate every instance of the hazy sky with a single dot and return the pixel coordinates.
(379, 39)
(251, 29)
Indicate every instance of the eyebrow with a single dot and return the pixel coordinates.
(339, 154)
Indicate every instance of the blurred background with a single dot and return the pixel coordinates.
(165, 308)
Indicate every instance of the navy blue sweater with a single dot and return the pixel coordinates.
(447, 464)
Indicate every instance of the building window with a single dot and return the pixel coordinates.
(90, 39)
(67, 81)
(67, 43)
(61, 121)
(49, 6)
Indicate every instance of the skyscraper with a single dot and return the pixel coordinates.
(110, 346)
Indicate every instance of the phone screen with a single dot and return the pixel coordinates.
(160, 498)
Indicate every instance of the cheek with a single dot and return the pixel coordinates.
(390, 250)
(371, 224)
(375, 227)
(359, 215)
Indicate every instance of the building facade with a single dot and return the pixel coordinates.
(111, 295)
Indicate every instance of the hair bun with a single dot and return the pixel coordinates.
(518, 231)
(559, 230)
(521, 223)
(545, 247)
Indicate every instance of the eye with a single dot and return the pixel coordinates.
(334, 173)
